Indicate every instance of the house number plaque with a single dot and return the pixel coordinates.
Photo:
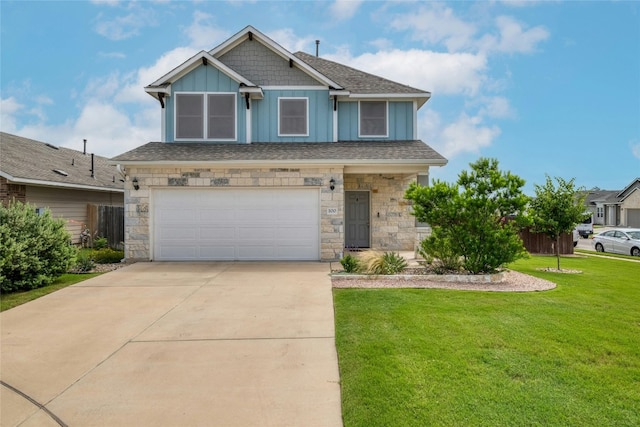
(332, 211)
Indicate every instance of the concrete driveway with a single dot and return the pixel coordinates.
(176, 344)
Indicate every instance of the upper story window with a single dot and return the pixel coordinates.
(293, 116)
(373, 119)
(214, 119)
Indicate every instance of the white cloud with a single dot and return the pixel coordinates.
(203, 32)
(9, 107)
(635, 148)
(441, 73)
(119, 28)
(344, 9)
(436, 24)
(496, 107)
(467, 134)
(115, 55)
(513, 37)
(286, 38)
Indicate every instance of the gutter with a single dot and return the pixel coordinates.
(40, 183)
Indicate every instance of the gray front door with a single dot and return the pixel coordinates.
(357, 219)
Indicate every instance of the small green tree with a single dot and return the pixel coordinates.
(469, 219)
(556, 210)
(34, 249)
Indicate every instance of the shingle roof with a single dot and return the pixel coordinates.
(356, 81)
(26, 160)
(346, 153)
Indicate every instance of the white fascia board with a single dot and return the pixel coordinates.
(194, 62)
(386, 163)
(339, 93)
(243, 35)
(421, 98)
(40, 183)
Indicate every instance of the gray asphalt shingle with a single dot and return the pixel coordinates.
(344, 152)
(27, 159)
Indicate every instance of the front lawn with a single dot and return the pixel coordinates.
(566, 357)
(14, 299)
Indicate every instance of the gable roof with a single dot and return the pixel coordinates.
(415, 153)
(30, 162)
(634, 186)
(250, 33)
(200, 58)
(360, 83)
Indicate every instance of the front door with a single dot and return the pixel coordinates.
(357, 220)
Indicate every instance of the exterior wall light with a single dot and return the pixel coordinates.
(332, 184)
(135, 183)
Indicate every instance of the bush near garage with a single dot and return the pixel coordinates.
(106, 256)
(35, 248)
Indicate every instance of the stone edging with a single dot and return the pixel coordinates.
(457, 278)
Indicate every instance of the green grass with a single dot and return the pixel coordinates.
(565, 357)
(609, 254)
(15, 299)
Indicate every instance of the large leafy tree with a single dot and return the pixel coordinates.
(557, 209)
(471, 219)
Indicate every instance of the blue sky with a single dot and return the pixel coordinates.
(545, 87)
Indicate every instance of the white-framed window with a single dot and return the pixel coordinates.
(207, 116)
(373, 119)
(600, 212)
(293, 116)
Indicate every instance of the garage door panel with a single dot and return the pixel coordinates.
(239, 224)
(178, 253)
(212, 215)
(218, 252)
(179, 233)
(216, 233)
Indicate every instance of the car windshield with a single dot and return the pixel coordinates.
(634, 234)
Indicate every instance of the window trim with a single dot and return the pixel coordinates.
(285, 135)
(205, 116)
(386, 124)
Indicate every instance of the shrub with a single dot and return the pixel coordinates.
(107, 256)
(438, 253)
(100, 243)
(469, 217)
(35, 249)
(84, 263)
(350, 263)
(382, 263)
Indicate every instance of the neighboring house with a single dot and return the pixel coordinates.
(619, 207)
(57, 178)
(269, 155)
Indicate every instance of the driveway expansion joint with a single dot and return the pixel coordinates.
(34, 402)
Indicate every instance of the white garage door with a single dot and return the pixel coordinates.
(235, 224)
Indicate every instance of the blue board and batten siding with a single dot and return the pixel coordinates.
(400, 122)
(265, 116)
(264, 112)
(206, 79)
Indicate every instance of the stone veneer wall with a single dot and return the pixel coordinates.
(392, 225)
(137, 211)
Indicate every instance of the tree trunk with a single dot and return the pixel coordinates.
(558, 250)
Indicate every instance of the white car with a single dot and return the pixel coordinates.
(620, 241)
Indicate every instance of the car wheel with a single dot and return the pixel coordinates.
(599, 247)
(635, 251)
(575, 244)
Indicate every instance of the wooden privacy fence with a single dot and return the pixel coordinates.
(538, 243)
(107, 221)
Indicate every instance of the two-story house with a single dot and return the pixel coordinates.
(269, 155)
